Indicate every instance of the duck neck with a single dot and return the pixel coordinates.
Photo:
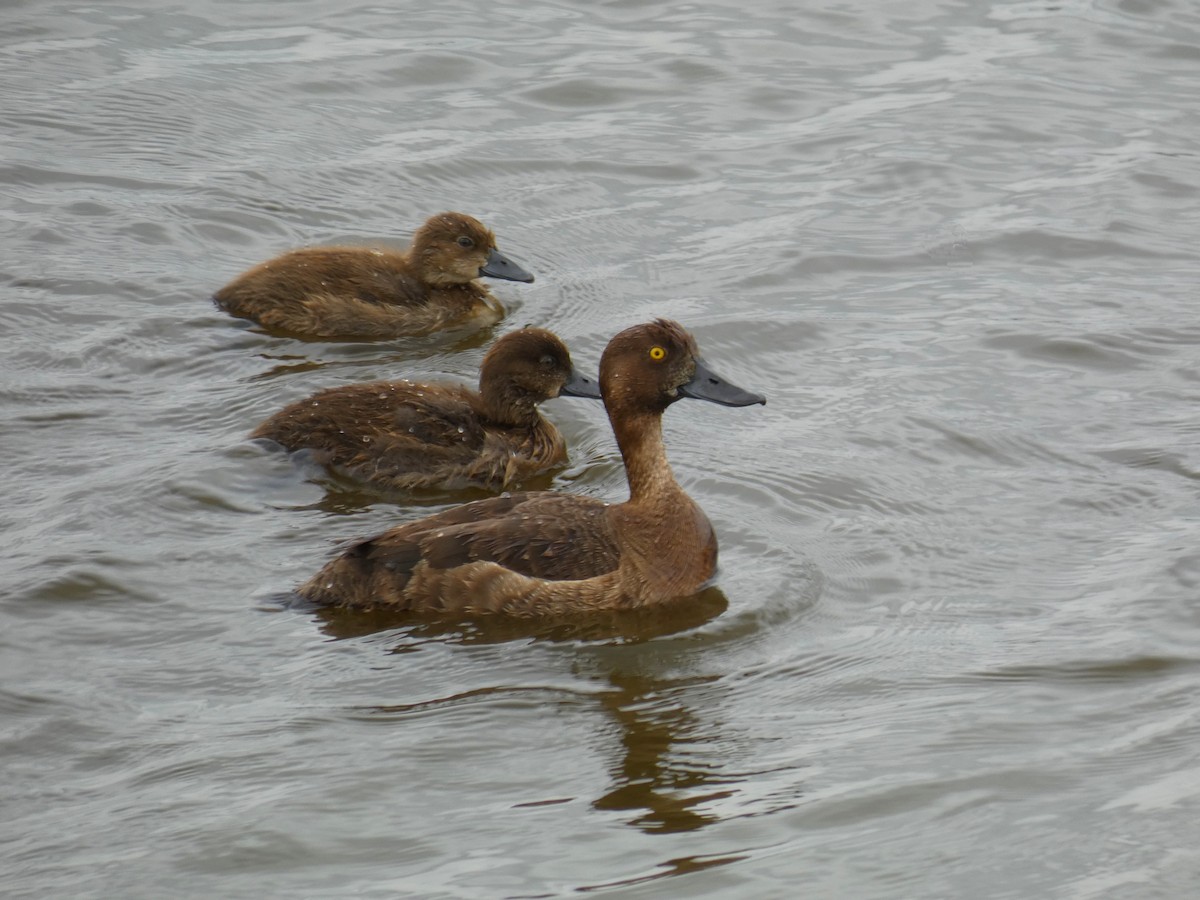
(508, 405)
(668, 548)
(641, 441)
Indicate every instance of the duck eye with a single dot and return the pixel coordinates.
(547, 361)
(658, 354)
(466, 242)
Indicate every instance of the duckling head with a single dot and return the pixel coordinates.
(532, 365)
(454, 248)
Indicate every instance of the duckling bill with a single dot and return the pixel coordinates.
(548, 554)
(362, 293)
(405, 436)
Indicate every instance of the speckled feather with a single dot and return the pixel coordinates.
(403, 435)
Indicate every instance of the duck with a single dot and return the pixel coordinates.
(550, 554)
(366, 293)
(404, 436)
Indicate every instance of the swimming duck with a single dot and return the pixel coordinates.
(363, 292)
(544, 553)
(402, 435)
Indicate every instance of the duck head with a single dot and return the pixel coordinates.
(454, 248)
(648, 367)
(525, 367)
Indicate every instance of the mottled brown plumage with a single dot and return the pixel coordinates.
(402, 435)
(366, 293)
(552, 554)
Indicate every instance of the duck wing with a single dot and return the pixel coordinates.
(384, 430)
(443, 419)
(375, 276)
(540, 534)
(388, 286)
(437, 440)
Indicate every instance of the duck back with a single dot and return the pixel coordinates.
(494, 555)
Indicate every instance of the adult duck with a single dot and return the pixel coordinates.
(552, 554)
(367, 293)
(404, 435)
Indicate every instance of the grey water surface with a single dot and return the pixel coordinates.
(955, 649)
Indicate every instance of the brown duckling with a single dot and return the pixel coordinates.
(402, 436)
(364, 293)
(546, 554)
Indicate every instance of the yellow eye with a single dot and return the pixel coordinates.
(657, 353)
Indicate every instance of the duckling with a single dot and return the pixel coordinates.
(549, 554)
(366, 293)
(405, 436)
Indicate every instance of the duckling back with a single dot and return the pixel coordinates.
(399, 436)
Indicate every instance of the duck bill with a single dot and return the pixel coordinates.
(581, 386)
(708, 385)
(500, 266)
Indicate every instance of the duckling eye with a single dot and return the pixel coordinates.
(466, 242)
(658, 354)
(547, 361)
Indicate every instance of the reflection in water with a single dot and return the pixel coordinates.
(453, 340)
(624, 626)
(344, 496)
(650, 780)
(1112, 671)
(666, 794)
(290, 364)
(682, 865)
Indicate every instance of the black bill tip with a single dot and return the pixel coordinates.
(500, 266)
(708, 385)
(581, 386)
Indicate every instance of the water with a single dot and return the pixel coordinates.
(954, 649)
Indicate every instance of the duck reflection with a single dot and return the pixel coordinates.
(652, 778)
(343, 496)
(666, 793)
(624, 626)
